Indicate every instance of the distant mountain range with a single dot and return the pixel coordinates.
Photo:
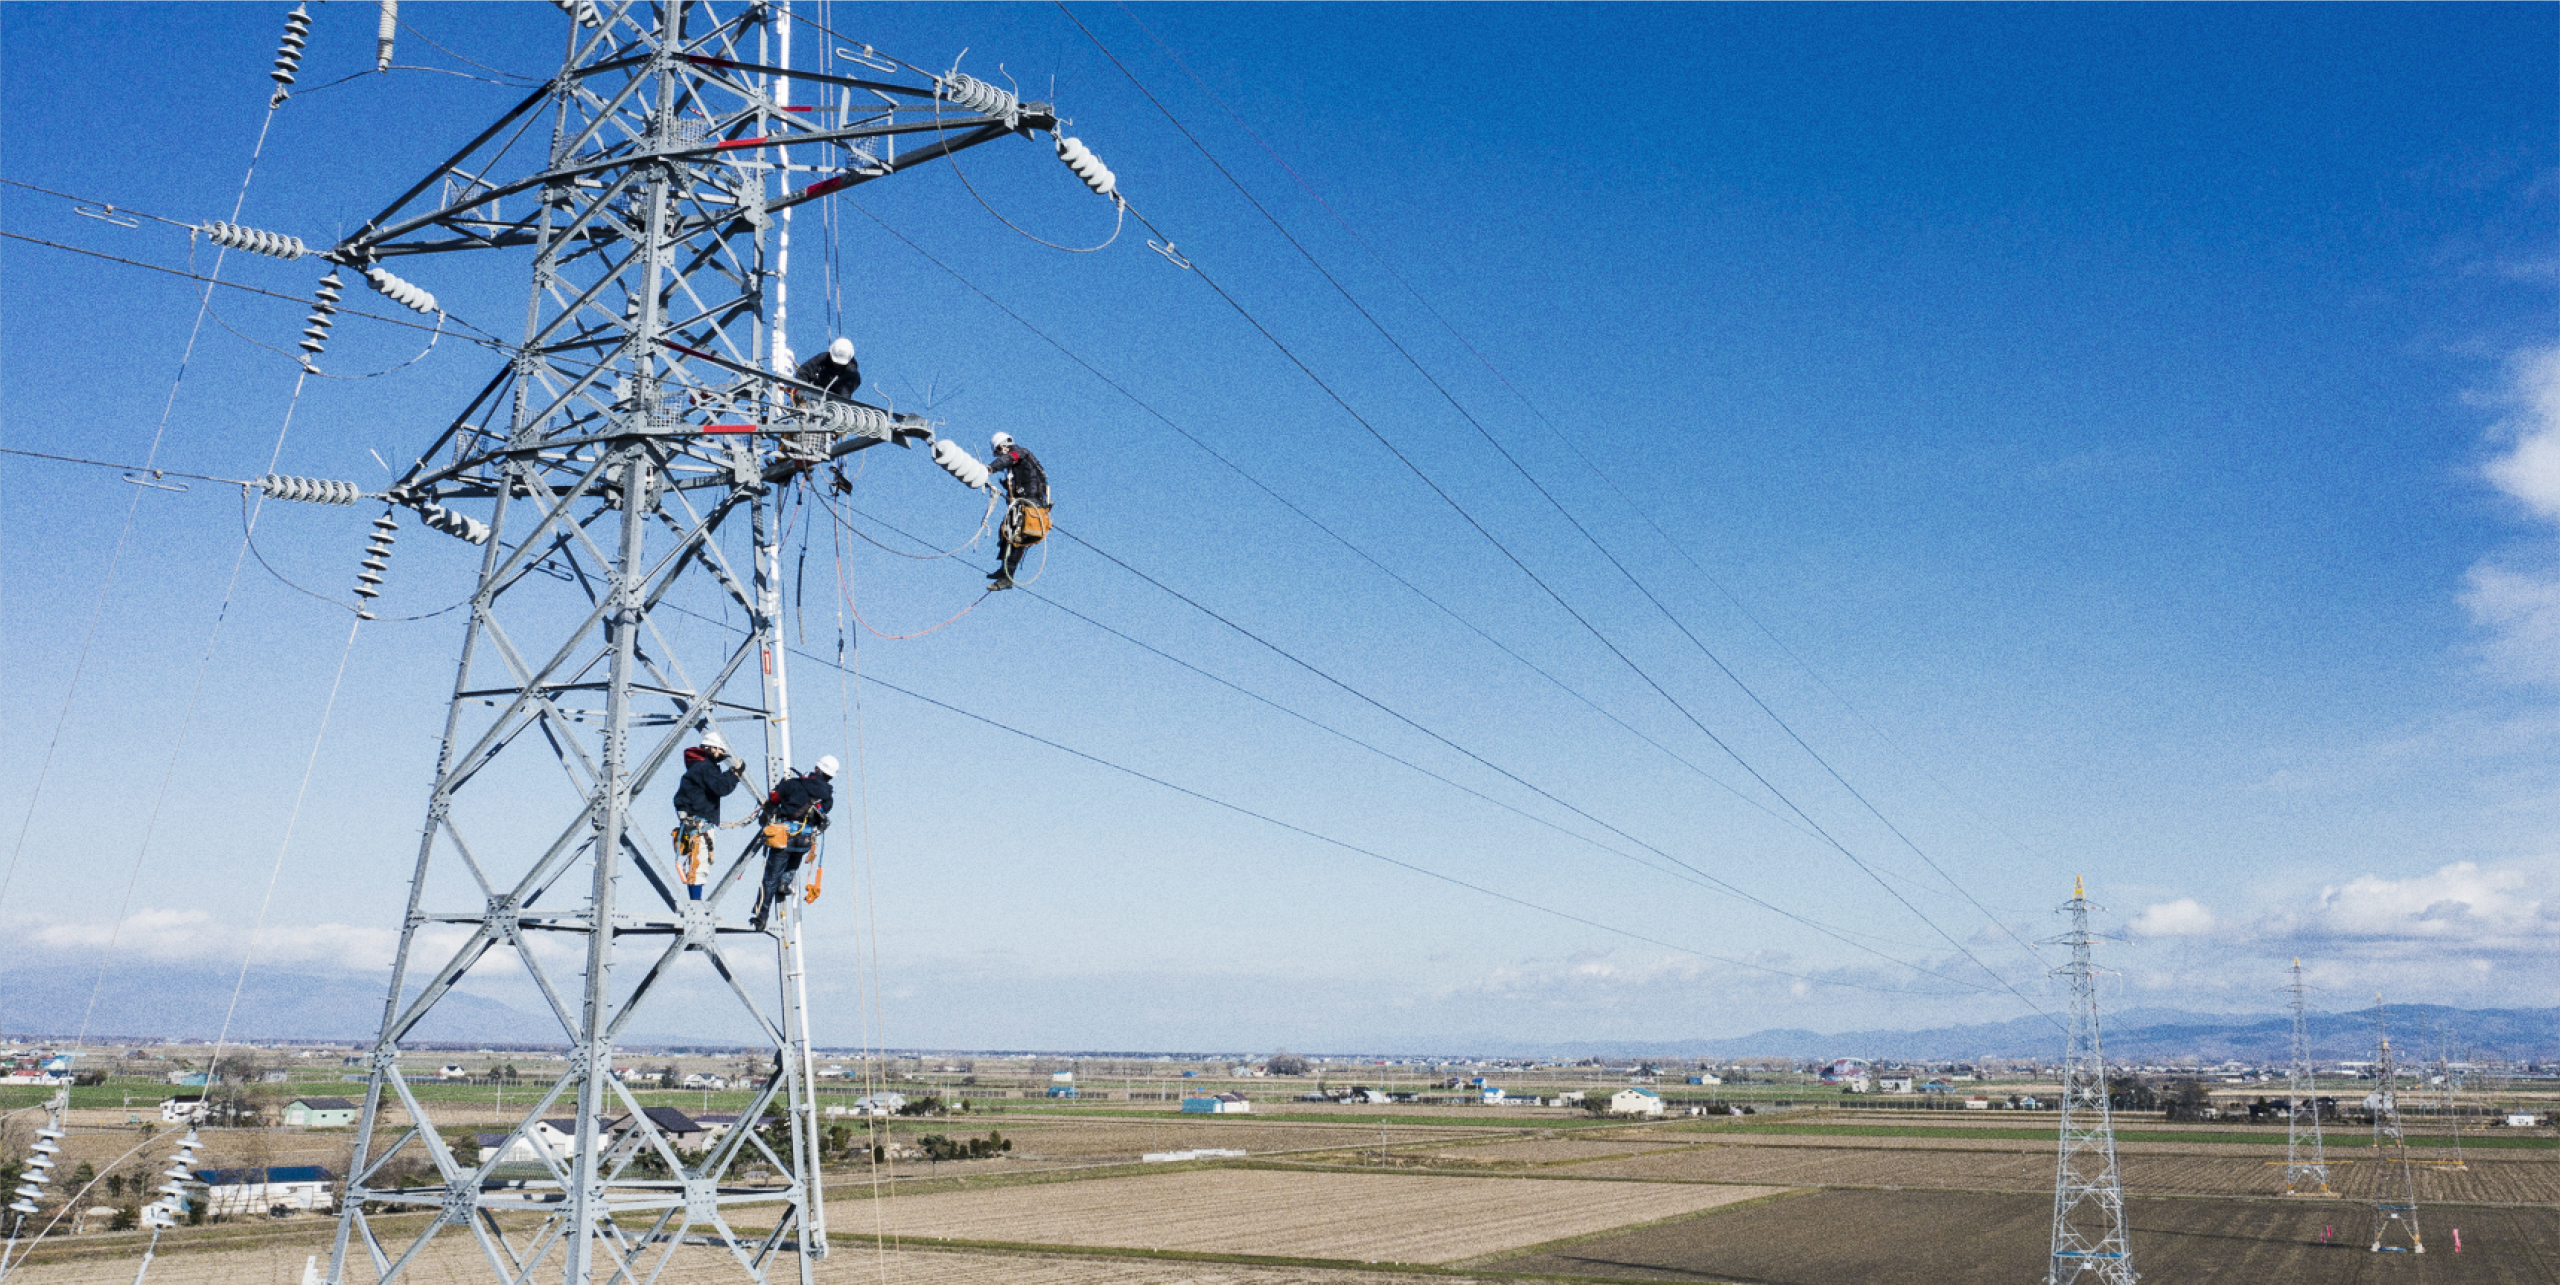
(52, 1001)
(2134, 1036)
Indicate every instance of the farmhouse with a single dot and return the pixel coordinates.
(257, 1191)
(319, 1113)
(1223, 1104)
(681, 1131)
(185, 1108)
(1635, 1102)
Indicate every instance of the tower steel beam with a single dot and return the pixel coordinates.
(2089, 1242)
(648, 413)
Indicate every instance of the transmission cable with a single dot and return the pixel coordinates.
(1681, 870)
(115, 560)
(1241, 810)
(1515, 560)
(1337, 537)
(1561, 437)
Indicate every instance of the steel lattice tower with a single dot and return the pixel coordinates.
(2303, 1177)
(2089, 1242)
(2395, 1188)
(641, 421)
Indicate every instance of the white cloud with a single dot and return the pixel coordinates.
(2185, 917)
(2518, 602)
(2460, 906)
(2530, 470)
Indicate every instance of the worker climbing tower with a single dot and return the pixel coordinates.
(2089, 1243)
(2395, 1184)
(2306, 1167)
(604, 475)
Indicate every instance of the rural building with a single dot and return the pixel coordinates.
(1062, 1090)
(1893, 1084)
(715, 1125)
(1223, 1104)
(319, 1113)
(452, 1071)
(555, 1140)
(186, 1079)
(185, 1108)
(2520, 1120)
(1706, 1077)
(874, 1104)
(1635, 1102)
(681, 1131)
(256, 1191)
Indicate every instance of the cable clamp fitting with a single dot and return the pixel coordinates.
(1171, 255)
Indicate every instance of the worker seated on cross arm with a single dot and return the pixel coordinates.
(795, 812)
(711, 772)
(1026, 518)
(833, 372)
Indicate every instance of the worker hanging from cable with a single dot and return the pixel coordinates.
(1026, 518)
(710, 773)
(794, 813)
(833, 372)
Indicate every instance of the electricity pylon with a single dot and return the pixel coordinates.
(2395, 1187)
(2306, 1166)
(2449, 1103)
(2089, 1242)
(604, 471)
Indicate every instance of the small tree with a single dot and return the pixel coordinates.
(1285, 1062)
(2188, 1100)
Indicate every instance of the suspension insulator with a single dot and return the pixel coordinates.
(978, 96)
(297, 32)
(404, 293)
(235, 237)
(1089, 167)
(324, 314)
(460, 526)
(582, 10)
(382, 33)
(377, 559)
(310, 490)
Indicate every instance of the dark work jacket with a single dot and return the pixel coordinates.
(1023, 478)
(802, 798)
(823, 372)
(708, 778)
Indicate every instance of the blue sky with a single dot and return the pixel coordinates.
(2120, 441)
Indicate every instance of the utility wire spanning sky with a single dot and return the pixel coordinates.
(1634, 523)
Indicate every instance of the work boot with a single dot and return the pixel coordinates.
(1001, 580)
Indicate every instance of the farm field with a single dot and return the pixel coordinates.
(2500, 1178)
(459, 1264)
(1947, 1238)
(1359, 1217)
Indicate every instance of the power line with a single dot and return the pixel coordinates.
(1497, 543)
(875, 680)
(1679, 869)
(1584, 457)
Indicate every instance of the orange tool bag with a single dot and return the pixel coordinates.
(1027, 525)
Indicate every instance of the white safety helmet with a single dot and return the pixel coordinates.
(1000, 441)
(827, 765)
(712, 739)
(841, 351)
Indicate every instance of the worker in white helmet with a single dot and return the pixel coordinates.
(1026, 517)
(794, 814)
(833, 372)
(711, 772)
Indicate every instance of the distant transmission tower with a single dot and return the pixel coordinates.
(2089, 1243)
(647, 413)
(2449, 1104)
(2397, 1178)
(2306, 1166)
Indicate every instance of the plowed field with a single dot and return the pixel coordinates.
(1362, 1217)
(1947, 1238)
